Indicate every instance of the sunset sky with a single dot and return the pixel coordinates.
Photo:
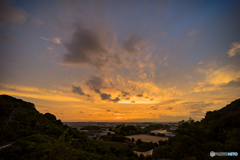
(121, 60)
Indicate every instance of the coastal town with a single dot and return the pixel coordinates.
(147, 132)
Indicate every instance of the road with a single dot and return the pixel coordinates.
(6, 145)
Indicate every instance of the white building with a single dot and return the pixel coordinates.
(173, 128)
(158, 131)
(167, 134)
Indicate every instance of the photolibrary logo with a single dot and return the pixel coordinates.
(212, 153)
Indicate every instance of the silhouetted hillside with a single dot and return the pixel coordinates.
(219, 131)
(21, 119)
(41, 136)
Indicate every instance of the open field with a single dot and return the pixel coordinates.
(147, 138)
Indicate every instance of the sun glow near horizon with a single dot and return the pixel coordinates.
(103, 64)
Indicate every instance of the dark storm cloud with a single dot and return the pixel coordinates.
(115, 99)
(140, 95)
(153, 107)
(195, 105)
(105, 96)
(85, 48)
(116, 59)
(124, 94)
(78, 90)
(231, 84)
(97, 90)
(133, 43)
(11, 14)
(168, 101)
(197, 112)
(96, 83)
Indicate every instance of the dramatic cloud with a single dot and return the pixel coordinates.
(195, 105)
(168, 101)
(85, 47)
(116, 59)
(235, 49)
(105, 96)
(124, 94)
(232, 84)
(139, 95)
(108, 110)
(133, 43)
(78, 90)
(115, 100)
(9, 14)
(197, 112)
(96, 83)
(153, 107)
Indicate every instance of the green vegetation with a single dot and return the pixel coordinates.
(219, 131)
(42, 136)
(157, 127)
(127, 130)
(144, 146)
(117, 145)
(115, 138)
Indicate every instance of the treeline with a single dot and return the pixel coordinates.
(41, 136)
(219, 131)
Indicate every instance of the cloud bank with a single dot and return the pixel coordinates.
(11, 14)
(85, 47)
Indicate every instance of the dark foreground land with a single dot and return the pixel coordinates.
(42, 136)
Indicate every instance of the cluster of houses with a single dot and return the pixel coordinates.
(165, 132)
(96, 136)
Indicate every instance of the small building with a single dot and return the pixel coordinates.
(84, 131)
(169, 134)
(173, 128)
(158, 131)
(111, 132)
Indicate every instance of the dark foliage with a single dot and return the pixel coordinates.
(41, 136)
(219, 131)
